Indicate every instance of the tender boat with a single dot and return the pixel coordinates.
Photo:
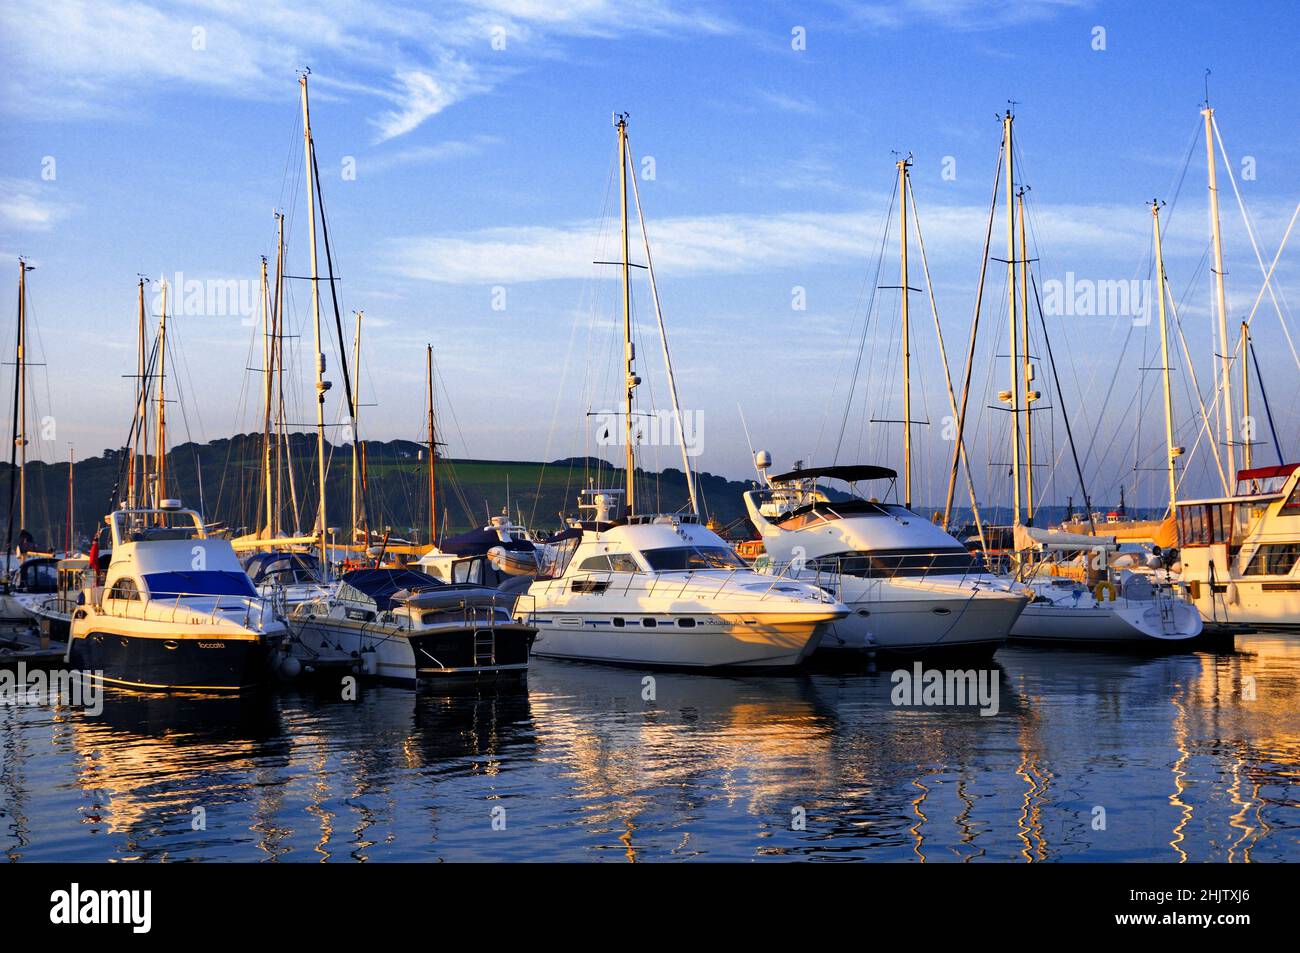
(404, 626)
(54, 613)
(912, 588)
(665, 591)
(176, 610)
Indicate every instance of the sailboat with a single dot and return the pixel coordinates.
(1240, 552)
(630, 587)
(1077, 597)
(29, 579)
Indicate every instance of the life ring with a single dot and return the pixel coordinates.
(1106, 587)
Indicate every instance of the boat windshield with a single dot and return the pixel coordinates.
(690, 558)
(208, 582)
(888, 564)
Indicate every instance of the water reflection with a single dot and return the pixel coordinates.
(1091, 755)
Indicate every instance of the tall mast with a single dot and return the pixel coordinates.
(139, 465)
(321, 385)
(1225, 361)
(68, 546)
(1007, 120)
(268, 378)
(1247, 454)
(281, 448)
(160, 492)
(1026, 366)
(356, 433)
(433, 453)
(907, 353)
(1171, 451)
(20, 389)
(663, 340)
(629, 351)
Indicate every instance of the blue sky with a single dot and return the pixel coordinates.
(173, 131)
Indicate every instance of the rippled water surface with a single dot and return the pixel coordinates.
(577, 766)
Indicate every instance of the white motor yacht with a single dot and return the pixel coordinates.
(665, 591)
(911, 588)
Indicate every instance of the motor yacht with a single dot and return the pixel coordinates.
(1240, 554)
(911, 588)
(666, 591)
(176, 610)
(405, 626)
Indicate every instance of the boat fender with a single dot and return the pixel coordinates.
(290, 667)
(1194, 587)
(370, 661)
(1231, 594)
(1108, 588)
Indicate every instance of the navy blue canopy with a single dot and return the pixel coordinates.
(382, 584)
(478, 541)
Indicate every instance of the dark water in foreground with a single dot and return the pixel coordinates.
(1184, 767)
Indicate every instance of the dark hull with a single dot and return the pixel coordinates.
(452, 652)
(192, 663)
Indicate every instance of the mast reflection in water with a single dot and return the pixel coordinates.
(1091, 756)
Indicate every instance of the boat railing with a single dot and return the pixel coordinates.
(173, 606)
(600, 582)
(828, 572)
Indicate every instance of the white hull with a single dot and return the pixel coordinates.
(917, 616)
(1161, 620)
(756, 641)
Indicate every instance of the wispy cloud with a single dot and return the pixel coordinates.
(29, 206)
(737, 243)
(438, 152)
(78, 58)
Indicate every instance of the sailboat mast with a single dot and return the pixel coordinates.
(268, 379)
(1221, 295)
(139, 465)
(321, 385)
(356, 433)
(907, 352)
(160, 474)
(1007, 120)
(1171, 452)
(1247, 456)
(433, 452)
(68, 546)
(629, 352)
(1026, 366)
(20, 389)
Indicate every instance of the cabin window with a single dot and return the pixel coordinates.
(124, 589)
(623, 562)
(618, 622)
(952, 561)
(594, 564)
(1292, 505)
(1274, 559)
(686, 623)
(649, 623)
(689, 558)
(206, 582)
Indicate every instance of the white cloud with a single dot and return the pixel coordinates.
(739, 243)
(27, 206)
(77, 58)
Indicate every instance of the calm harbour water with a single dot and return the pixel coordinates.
(716, 768)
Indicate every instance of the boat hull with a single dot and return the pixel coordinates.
(1105, 624)
(920, 621)
(453, 652)
(721, 641)
(213, 662)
